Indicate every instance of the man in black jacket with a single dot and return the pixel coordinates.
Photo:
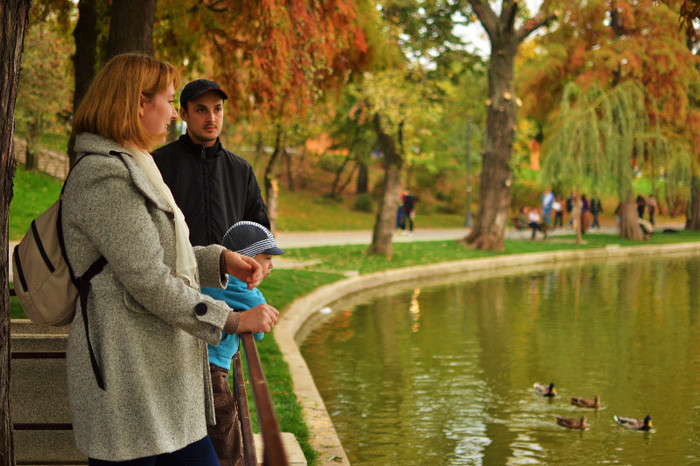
(214, 187)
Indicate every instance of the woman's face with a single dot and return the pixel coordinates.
(157, 112)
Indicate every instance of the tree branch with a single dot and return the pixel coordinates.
(486, 16)
(531, 25)
(509, 12)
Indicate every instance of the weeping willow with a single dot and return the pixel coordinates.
(602, 137)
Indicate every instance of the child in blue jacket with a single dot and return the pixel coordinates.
(253, 240)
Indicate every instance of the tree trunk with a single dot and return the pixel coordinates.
(386, 215)
(288, 165)
(576, 216)
(338, 173)
(629, 224)
(271, 183)
(86, 35)
(131, 27)
(693, 212)
(342, 187)
(14, 15)
(496, 175)
(362, 183)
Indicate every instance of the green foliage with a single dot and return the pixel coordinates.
(33, 193)
(602, 137)
(363, 203)
(525, 192)
(46, 83)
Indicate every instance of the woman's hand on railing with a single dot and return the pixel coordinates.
(260, 318)
(244, 268)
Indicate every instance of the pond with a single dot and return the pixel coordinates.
(444, 374)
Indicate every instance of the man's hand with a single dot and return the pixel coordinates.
(244, 268)
(260, 318)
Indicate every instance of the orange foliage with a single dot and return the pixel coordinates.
(274, 56)
(648, 47)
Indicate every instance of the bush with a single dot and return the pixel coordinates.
(363, 203)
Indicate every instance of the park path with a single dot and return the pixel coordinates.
(326, 238)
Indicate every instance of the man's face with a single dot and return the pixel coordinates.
(204, 117)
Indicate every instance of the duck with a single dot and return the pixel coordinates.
(585, 402)
(545, 390)
(632, 423)
(571, 423)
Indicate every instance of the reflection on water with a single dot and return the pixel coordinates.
(444, 375)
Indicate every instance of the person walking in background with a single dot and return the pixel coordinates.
(596, 209)
(140, 392)
(651, 206)
(641, 204)
(214, 187)
(408, 210)
(547, 201)
(585, 210)
(570, 209)
(252, 240)
(558, 215)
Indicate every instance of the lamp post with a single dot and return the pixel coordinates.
(468, 221)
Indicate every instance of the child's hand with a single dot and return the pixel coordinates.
(260, 318)
(244, 268)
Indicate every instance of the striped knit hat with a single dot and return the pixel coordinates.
(250, 239)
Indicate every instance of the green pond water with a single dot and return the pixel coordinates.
(443, 374)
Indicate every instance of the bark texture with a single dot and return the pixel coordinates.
(131, 27)
(693, 214)
(14, 15)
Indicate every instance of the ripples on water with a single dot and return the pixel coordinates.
(443, 375)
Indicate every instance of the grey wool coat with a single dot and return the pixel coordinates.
(148, 328)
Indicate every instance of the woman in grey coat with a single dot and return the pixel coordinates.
(148, 323)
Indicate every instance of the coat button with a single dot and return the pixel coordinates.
(200, 309)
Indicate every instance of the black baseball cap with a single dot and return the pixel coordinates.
(250, 239)
(198, 87)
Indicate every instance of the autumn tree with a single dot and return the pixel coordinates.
(275, 58)
(14, 15)
(607, 44)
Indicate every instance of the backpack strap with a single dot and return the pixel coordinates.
(83, 284)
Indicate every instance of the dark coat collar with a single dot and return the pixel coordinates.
(197, 149)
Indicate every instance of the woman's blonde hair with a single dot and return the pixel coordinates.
(110, 107)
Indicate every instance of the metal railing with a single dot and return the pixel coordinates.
(273, 448)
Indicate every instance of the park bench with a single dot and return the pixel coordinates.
(525, 227)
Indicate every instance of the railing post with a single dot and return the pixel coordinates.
(274, 453)
(249, 455)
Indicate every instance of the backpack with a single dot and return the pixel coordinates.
(45, 283)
